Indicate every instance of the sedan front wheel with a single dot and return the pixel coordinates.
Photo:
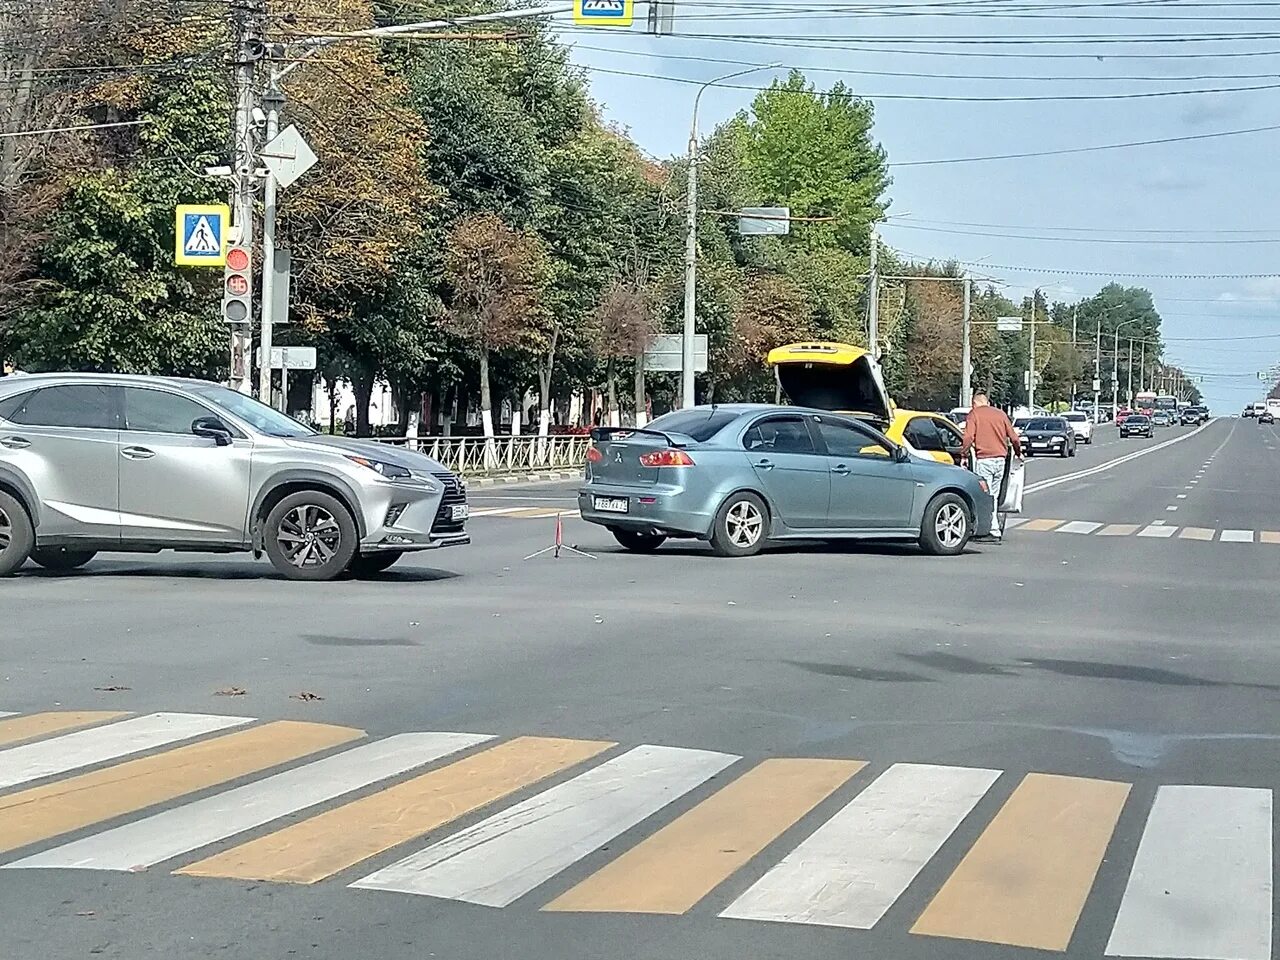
(947, 526)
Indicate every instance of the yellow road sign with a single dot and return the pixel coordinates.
(200, 234)
(604, 13)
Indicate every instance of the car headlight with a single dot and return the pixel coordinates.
(391, 471)
(1058, 439)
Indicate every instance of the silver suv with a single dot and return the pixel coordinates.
(92, 462)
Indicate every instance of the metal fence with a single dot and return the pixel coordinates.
(476, 456)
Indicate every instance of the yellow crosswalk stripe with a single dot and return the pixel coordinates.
(1269, 536)
(323, 845)
(17, 729)
(1196, 533)
(56, 808)
(687, 859)
(1024, 882)
(1118, 530)
(1040, 525)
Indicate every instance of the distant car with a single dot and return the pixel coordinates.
(1122, 414)
(1192, 415)
(1137, 425)
(1052, 435)
(1162, 418)
(1247, 411)
(1267, 417)
(1081, 424)
(739, 475)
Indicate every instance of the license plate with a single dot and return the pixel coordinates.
(612, 504)
(1039, 443)
(460, 511)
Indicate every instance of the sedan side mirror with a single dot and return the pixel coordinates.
(211, 428)
(900, 455)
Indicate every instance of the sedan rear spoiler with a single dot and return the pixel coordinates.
(622, 433)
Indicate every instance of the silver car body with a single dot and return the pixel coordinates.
(857, 492)
(105, 478)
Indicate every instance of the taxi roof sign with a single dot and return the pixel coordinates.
(604, 13)
(200, 234)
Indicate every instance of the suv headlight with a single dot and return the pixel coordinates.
(391, 471)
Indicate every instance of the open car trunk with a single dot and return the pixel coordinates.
(832, 376)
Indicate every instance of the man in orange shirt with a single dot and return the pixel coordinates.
(989, 434)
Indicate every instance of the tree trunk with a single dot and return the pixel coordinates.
(362, 384)
(642, 411)
(546, 366)
(611, 380)
(446, 413)
(404, 400)
(331, 385)
(486, 403)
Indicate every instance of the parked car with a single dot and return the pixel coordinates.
(1051, 435)
(92, 463)
(1162, 418)
(1137, 425)
(1081, 424)
(739, 475)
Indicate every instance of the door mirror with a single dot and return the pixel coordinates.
(211, 428)
(900, 455)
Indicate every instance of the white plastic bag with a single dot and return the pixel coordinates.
(1011, 495)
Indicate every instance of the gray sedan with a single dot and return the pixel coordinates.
(739, 475)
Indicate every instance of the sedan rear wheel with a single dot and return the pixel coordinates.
(740, 526)
(947, 525)
(310, 536)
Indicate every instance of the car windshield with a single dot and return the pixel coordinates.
(261, 417)
(1046, 423)
(1076, 417)
(1137, 418)
(700, 423)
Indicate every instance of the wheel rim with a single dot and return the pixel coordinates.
(309, 536)
(6, 531)
(950, 525)
(744, 524)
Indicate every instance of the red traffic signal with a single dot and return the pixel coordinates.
(237, 286)
(237, 258)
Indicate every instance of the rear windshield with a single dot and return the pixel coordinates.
(700, 423)
(1044, 424)
(1076, 417)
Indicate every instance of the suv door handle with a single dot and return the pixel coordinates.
(15, 443)
(137, 453)
(765, 464)
(840, 470)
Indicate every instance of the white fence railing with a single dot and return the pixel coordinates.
(476, 456)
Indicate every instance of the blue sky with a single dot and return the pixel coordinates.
(1177, 191)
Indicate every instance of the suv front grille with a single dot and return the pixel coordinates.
(453, 494)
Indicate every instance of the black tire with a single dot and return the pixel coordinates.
(638, 542)
(371, 564)
(740, 516)
(17, 536)
(60, 558)
(331, 529)
(947, 526)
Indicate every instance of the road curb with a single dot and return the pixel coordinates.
(552, 476)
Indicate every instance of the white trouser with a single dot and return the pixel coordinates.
(991, 469)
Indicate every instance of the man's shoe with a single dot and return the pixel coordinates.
(988, 538)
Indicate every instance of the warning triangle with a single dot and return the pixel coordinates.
(202, 239)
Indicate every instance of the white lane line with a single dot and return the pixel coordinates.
(1157, 530)
(1158, 523)
(505, 856)
(1100, 468)
(1171, 507)
(495, 511)
(1182, 496)
(87, 747)
(853, 868)
(1237, 536)
(1200, 887)
(147, 842)
(1078, 526)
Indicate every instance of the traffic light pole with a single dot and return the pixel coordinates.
(246, 22)
(274, 100)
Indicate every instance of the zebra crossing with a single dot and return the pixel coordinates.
(526, 513)
(1156, 530)
(1199, 886)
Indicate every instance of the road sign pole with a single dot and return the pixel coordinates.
(966, 385)
(246, 22)
(273, 101)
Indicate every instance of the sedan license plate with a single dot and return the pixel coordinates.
(612, 504)
(460, 511)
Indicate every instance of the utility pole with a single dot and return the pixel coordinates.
(966, 379)
(690, 269)
(1075, 348)
(273, 101)
(246, 28)
(1097, 368)
(873, 297)
(1129, 388)
(1031, 362)
(1142, 370)
(1115, 370)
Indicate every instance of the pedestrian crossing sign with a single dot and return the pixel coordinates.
(200, 234)
(604, 13)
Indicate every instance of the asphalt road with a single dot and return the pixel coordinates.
(1028, 716)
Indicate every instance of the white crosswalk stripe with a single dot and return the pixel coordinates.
(1237, 536)
(853, 868)
(1201, 886)
(84, 748)
(163, 836)
(506, 856)
(1078, 526)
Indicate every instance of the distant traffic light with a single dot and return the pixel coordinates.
(237, 286)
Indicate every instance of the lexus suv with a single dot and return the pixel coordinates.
(102, 462)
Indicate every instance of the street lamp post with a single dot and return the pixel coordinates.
(691, 241)
(1115, 363)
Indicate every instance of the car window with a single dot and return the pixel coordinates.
(779, 435)
(922, 433)
(700, 423)
(10, 405)
(846, 440)
(89, 406)
(154, 411)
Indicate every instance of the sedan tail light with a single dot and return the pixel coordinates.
(666, 458)
(594, 455)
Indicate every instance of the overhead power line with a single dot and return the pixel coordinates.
(1111, 273)
(1130, 240)
(84, 126)
(1163, 231)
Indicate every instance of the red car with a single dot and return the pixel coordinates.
(1122, 414)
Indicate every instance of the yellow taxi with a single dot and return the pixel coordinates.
(846, 379)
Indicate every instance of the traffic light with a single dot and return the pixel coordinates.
(237, 286)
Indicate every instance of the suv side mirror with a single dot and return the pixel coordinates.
(211, 428)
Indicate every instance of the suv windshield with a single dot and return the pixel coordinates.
(700, 423)
(263, 418)
(1046, 424)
